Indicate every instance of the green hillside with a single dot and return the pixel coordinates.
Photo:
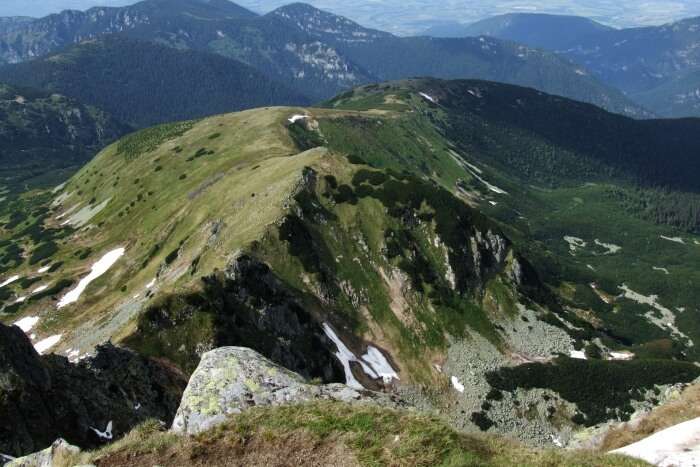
(44, 137)
(422, 221)
(678, 97)
(312, 52)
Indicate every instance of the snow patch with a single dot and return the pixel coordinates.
(578, 354)
(380, 364)
(675, 446)
(45, 344)
(345, 356)
(44, 269)
(9, 281)
(575, 243)
(21, 299)
(673, 239)
(611, 247)
(26, 324)
(82, 217)
(476, 173)
(459, 387)
(668, 318)
(150, 284)
(67, 212)
(39, 289)
(664, 270)
(98, 269)
(494, 188)
(373, 363)
(621, 355)
(427, 97)
(296, 118)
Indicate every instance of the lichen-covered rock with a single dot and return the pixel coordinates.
(230, 380)
(60, 449)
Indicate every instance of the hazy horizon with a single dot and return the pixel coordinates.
(413, 16)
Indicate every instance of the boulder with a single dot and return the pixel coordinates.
(230, 380)
(60, 449)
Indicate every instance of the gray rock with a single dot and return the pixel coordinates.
(230, 380)
(59, 449)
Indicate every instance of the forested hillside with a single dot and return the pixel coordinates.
(45, 135)
(143, 83)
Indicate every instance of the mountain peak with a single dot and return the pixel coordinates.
(213, 9)
(320, 23)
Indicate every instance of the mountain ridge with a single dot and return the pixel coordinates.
(315, 62)
(145, 83)
(417, 221)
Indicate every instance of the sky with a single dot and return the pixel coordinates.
(413, 16)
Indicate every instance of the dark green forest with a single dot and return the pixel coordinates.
(143, 84)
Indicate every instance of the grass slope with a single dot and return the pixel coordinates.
(567, 175)
(332, 433)
(368, 213)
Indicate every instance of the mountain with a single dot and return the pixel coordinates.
(655, 66)
(551, 32)
(44, 135)
(473, 247)
(639, 59)
(315, 53)
(678, 97)
(45, 35)
(7, 23)
(144, 83)
(389, 57)
(265, 43)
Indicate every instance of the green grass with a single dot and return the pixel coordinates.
(373, 436)
(148, 140)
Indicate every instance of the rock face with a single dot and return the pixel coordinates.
(59, 449)
(230, 380)
(251, 308)
(43, 398)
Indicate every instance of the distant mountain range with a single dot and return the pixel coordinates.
(314, 53)
(552, 32)
(144, 83)
(654, 66)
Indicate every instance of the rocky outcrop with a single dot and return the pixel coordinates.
(60, 449)
(249, 307)
(230, 380)
(43, 398)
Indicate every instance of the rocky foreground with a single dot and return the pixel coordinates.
(239, 408)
